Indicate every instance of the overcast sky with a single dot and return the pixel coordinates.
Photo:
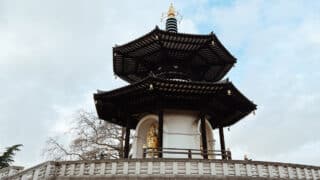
(55, 54)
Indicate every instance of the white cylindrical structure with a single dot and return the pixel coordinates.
(181, 130)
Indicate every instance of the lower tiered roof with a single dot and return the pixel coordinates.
(222, 103)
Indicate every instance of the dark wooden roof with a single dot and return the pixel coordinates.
(223, 104)
(188, 56)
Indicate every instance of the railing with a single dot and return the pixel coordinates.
(167, 168)
(186, 153)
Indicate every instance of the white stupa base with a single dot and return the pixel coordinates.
(181, 130)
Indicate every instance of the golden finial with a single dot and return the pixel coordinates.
(171, 11)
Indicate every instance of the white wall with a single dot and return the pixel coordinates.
(180, 131)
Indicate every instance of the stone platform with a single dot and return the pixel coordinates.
(122, 169)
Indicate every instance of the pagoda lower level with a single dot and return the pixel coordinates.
(184, 114)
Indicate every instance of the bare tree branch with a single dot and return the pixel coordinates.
(92, 139)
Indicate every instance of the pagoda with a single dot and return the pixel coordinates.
(176, 98)
(177, 95)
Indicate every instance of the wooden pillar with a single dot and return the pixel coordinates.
(160, 133)
(127, 140)
(223, 147)
(204, 136)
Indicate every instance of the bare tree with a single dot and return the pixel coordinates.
(92, 138)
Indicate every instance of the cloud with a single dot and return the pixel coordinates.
(54, 56)
(277, 49)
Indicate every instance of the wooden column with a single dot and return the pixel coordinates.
(204, 136)
(223, 147)
(127, 140)
(160, 133)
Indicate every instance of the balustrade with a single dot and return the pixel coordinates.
(168, 167)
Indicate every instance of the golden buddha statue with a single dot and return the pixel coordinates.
(152, 140)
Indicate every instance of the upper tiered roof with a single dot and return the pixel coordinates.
(172, 55)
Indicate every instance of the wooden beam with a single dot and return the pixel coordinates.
(127, 140)
(204, 136)
(160, 133)
(222, 144)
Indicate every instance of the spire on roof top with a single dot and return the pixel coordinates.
(171, 22)
(171, 12)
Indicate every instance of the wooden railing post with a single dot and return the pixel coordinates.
(144, 152)
(228, 154)
(189, 154)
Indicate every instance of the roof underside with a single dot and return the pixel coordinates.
(223, 104)
(196, 57)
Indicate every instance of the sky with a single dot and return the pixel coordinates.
(55, 54)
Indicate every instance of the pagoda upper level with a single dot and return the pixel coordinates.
(172, 55)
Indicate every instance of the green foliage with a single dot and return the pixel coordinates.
(7, 157)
